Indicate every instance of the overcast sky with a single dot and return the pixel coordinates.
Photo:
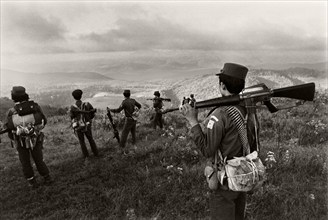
(80, 26)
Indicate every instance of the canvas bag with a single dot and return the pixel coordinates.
(135, 113)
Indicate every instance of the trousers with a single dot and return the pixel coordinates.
(36, 153)
(88, 134)
(129, 126)
(158, 121)
(227, 205)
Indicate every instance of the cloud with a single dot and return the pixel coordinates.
(86, 27)
(32, 26)
(160, 33)
(142, 34)
(29, 31)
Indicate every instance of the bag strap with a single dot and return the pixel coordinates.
(241, 122)
(82, 106)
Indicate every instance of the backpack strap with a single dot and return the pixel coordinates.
(241, 122)
(80, 108)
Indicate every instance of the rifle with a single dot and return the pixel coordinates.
(260, 94)
(116, 134)
(163, 99)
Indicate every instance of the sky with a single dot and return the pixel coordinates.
(34, 28)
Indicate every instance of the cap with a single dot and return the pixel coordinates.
(18, 91)
(234, 70)
(126, 91)
(157, 93)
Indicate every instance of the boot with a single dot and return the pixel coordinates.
(47, 180)
(33, 183)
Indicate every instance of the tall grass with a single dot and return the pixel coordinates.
(163, 178)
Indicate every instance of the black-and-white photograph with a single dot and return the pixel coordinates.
(164, 110)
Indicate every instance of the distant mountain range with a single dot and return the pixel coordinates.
(160, 64)
(320, 66)
(10, 77)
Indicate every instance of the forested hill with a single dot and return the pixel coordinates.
(206, 86)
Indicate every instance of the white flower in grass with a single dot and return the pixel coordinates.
(270, 160)
(287, 157)
(311, 196)
(130, 214)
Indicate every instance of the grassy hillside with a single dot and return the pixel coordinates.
(163, 178)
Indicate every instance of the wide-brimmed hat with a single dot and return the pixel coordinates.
(157, 93)
(18, 91)
(234, 70)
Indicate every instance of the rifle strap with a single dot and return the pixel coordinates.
(210, 112)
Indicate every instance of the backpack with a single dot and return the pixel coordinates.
(24, 114)
(26, 122)
(25, 108)
(79, 122)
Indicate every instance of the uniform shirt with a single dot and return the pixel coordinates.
(157, 103)
(128, 106)
(74, 111)
(219, 132)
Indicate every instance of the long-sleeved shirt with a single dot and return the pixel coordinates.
(74, 110)
(128, 105)
(218, 132)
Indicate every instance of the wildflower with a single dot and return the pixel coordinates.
(270, 160)
(286, 158)
(324, 170)
(169, 167)
(182, 137)
(130, 214)
(312, 196)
